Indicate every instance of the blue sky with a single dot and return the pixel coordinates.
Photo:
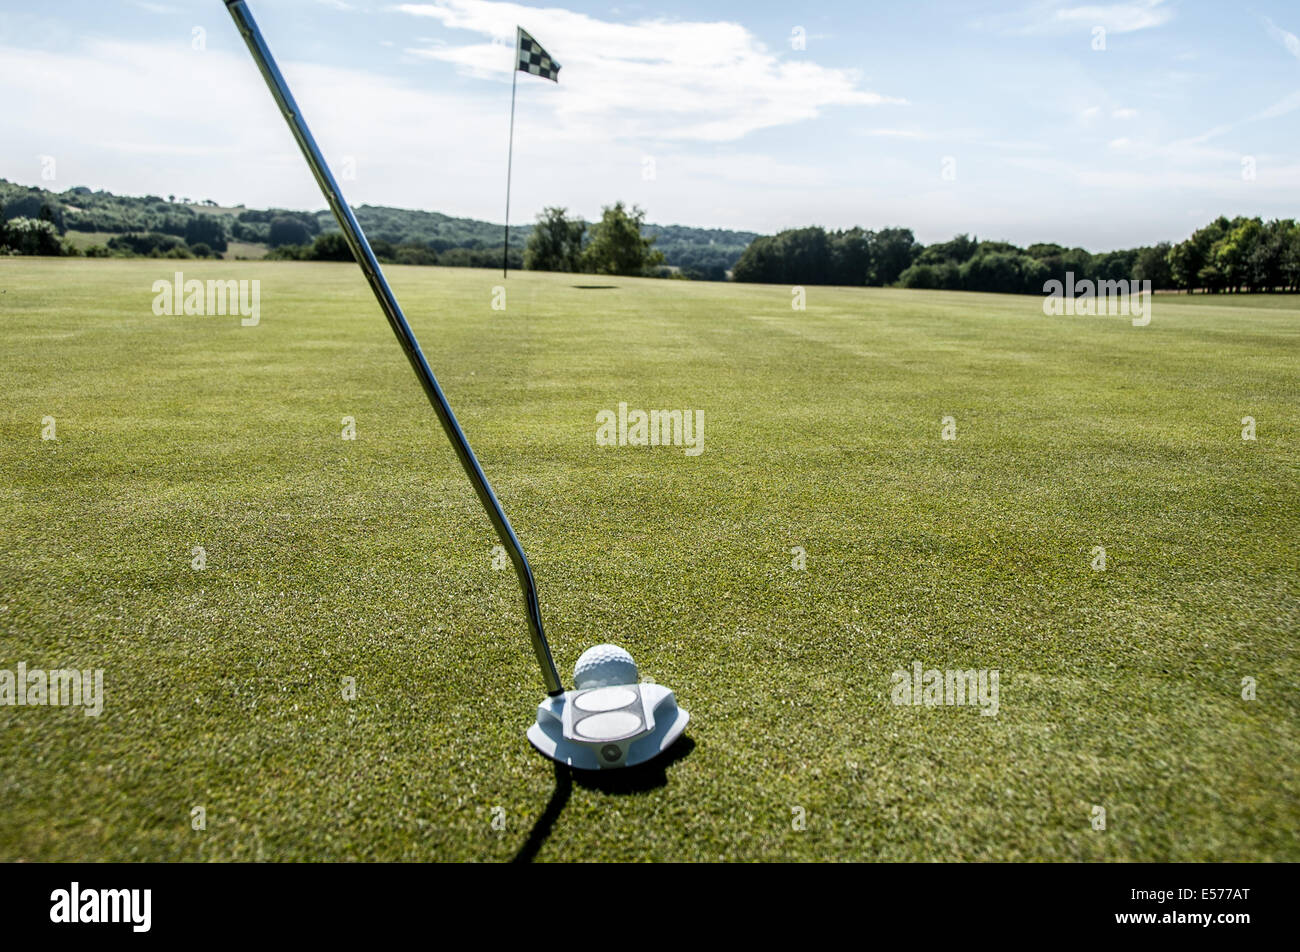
(996, 119)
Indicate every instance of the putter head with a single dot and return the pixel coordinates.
(608, 727)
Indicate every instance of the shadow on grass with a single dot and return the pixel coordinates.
(554, 807)
(596, 287)
(639, 779)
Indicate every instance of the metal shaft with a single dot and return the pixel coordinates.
(510, 156)
(370, 267)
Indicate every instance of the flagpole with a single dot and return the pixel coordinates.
(510, 155)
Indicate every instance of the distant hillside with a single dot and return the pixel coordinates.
(151, 224)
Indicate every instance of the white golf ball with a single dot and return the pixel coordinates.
(603, 665)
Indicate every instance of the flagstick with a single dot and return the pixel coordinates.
(510, 156)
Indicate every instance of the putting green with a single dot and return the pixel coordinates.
(348, 676)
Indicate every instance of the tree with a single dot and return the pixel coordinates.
(1061, 262)
(1232, 253)
(1266, 263)
(384, 250)
(758, 262)
(850, 256)
(1291, 257)
(1006, 272)
(1184, 264)
(415, 254)
(1042, 250)
(257, 232)
(35, 205)
(1113, 265)
(805, 256)
(960, 250)
(892, 252)
(207, 230)
(617, 245)
(285, 253)
(152, 244)
(922, 276)
(331, 246)
(1188, 259)
(287, 231)
(30, 236)
(794, 256)
(1153, 265)
(1211, 278)
(941, 276)
(556, 242)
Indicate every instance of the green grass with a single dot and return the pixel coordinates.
(244, 249)
(236, 249)
(371, 559)
(81, 240)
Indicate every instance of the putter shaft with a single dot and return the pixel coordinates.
(356, 240)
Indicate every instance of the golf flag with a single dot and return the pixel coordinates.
(533, 59)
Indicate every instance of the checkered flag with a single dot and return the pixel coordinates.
(529, 58)
(533, 59)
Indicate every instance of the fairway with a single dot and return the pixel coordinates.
(228, 688)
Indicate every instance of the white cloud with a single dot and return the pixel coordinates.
(1287, 39)
(1054, 16)
(1152, 179)
(1124, 114)
(147, 118)
(1118, 17)
(1227, 182)
(660, 79)
(897, 134)
(139, 117)
(1282, 107)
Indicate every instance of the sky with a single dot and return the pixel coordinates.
(1094, 124)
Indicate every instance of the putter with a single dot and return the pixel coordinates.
(600, 724)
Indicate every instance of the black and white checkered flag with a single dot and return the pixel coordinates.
(533, 59)
(529, 58)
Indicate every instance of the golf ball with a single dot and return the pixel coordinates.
(603, 665)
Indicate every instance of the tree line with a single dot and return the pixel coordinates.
(332, 246)
(615, 245)
(154, 226)
(1241, 254)
(1226, 255)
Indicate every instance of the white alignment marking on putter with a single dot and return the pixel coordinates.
(612, 724)
(605, 699)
